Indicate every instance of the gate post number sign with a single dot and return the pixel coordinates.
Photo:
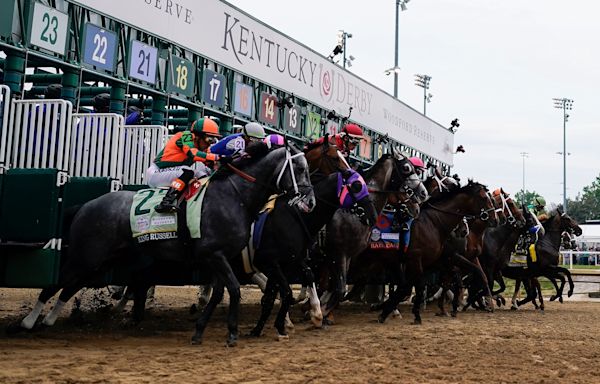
(100, 47)
(142, 62)
(182, 75)
(48, 28)
(269, 111)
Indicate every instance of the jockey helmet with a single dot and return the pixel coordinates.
(417, 162)
(101, 101)
(539, 201)
(53, 91)
(352, 130)
(254, 130)
(274, 139)
(207, 126)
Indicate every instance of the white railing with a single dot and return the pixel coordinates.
(4, 110)
(567, 257)
(97, 145)
(141, 145)
(37, 134)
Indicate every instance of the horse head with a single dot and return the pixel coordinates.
(568, 224)
(481, 203)
(325, 157)
(513, 214)
(354, 195)
(292, 177)
(500, 209)
(436, 182)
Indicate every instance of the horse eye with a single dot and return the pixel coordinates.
(407, 168)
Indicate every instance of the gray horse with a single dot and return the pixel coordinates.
(100, 233)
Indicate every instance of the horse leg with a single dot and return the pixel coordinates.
(204, 295)
(266, 304)
(515, 305)
(285, 293)
(308, 281)
(529, 289)
(47, 293)
(416, 310)
(260, 279)
(538, 287)
(215, 298)
(63, 298)
(559, 289)
(140, 292)
(567, 273)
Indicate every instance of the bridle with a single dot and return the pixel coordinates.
(484, 214)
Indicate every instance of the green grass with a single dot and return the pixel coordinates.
(577, 266)
(547, 287)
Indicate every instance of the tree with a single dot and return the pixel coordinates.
(529, 196)
(586, 205)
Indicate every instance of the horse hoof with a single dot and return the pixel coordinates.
(453, 313)
(196, 340)
(569, 294)
(232, 340)
(514, 308)
(553, 297)
(193, 309)
(417, 322)
(282, 337)
(396, 314)
(14, 328)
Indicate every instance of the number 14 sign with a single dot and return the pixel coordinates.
(269, 111)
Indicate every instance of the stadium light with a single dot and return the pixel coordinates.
(423, 82)
(566, 105)
(400, 4)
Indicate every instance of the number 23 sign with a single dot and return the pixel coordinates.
(269, 111)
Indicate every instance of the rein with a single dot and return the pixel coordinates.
(483, 215)
(241, 173)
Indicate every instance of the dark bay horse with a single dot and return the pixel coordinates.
(100, 233)
(285, 240)
(392, 180)
(438, 218)
(548, 253)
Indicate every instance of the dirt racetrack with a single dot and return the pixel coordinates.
(525, 346)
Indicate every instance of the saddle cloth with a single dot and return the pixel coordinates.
(149, 225)
(256, 234)
(518, 258)
(384, 234)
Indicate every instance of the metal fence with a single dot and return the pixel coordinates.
(141, 145)
(4, 109)
(37, 134)
(97, 145)
(573, 259)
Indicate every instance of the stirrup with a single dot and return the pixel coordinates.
(166, 208)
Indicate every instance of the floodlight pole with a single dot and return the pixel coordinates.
(564, 104)
(523, 155)
(396, 50)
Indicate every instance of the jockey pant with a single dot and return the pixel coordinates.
(162, 177)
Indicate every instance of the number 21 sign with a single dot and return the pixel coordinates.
(269, 111)
(142, 64)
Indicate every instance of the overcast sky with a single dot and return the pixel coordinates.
(495, 65)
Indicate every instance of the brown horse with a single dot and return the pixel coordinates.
(438, 218)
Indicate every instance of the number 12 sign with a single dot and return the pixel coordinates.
(142, 62)
(269, 111)
(100, 47)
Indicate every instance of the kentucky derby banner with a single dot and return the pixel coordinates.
(243, 43)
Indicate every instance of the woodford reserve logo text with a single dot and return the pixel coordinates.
(333, 86)
(173, 8)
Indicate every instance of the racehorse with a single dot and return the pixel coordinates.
(391, 180)
(287, 235)
(101, 233)
(438, 218)
(547, 250)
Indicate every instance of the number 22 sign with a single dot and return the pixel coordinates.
(142, 63)
(100, 47)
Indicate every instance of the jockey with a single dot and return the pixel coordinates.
(407, 223)
(236, 143)
(346, 140)
(540, 215)
(174, 165)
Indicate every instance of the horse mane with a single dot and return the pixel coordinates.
(471, 186)
(312, 145)
(367, 173)
(256, 150)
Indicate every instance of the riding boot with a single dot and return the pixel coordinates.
(169, 202)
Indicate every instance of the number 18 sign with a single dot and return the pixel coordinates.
(100, 47)
(182, 74)
(142, 63)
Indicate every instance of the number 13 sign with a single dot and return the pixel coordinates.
(269, 111)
